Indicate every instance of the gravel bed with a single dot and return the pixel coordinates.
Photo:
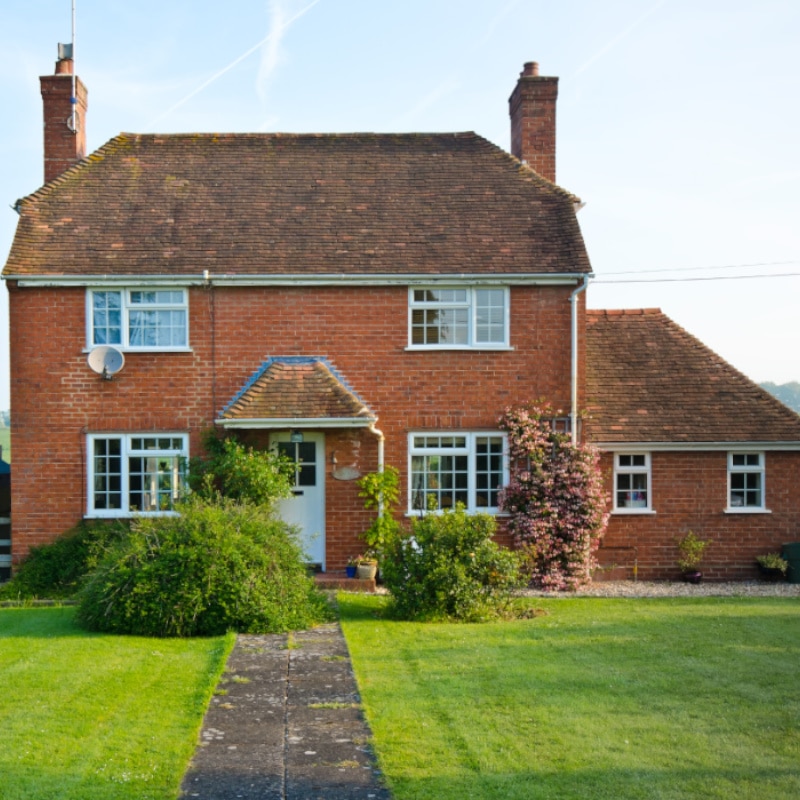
(676, 589)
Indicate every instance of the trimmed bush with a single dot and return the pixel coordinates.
(218, 566)
(56, 570)
(449, 568)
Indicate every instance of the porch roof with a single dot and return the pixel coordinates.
(297, 392)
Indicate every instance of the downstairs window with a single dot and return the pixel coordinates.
(135, 473)
(466, 468)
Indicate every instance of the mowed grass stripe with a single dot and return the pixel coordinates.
(666, 698)
(88, 716)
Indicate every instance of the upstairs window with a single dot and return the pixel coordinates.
(632, 482)
(458, 317)
(139, 473)
(447, 469)
(746, 482)
(138, 319)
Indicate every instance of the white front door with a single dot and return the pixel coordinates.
(306, 507)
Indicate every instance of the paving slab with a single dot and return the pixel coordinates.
(286, 724)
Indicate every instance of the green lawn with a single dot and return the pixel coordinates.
(601, 698)
(91, 717)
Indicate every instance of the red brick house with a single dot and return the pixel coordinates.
(352, 300)
(689, 443)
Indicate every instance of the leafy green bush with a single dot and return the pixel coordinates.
(449, 568)
(235, 470)
(219, 566)
(56, 570)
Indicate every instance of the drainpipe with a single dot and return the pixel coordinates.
(573, 414)
(381, 440)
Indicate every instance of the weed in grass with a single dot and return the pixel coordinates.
(291, 642)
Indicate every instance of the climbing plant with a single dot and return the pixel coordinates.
(555, 499)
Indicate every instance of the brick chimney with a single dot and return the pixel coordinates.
(64, 117)
(532, 106)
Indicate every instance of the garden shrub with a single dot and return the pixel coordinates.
(57, 569)
(448, 567)
(555, 500)
(234, 470)
(217, 566)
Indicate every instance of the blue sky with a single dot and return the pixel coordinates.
(678, 121)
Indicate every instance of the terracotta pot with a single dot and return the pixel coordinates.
(368, 571)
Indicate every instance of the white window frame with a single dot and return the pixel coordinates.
(128, 451)
(469, 304)
(638, 505)
(423, 443)
(759, 469)
(128, 306)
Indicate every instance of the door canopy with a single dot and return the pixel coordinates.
(297, 392)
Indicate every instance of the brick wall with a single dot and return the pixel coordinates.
(689, 492)
(57, 400)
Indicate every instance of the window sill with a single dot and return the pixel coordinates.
(627, 512)
(128, 514)
(143, 349)
(418, 348)
(747, 511)
(492, 512)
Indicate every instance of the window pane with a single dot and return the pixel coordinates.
(490, 316)
(106, 318)
(153, 483)
(157, 328)
(488, 470)
(107, 463)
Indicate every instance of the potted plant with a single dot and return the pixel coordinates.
(772, 566)
(690, 553)
(380, 491)
(367, 566)
(351, 568)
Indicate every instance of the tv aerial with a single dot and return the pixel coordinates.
(105, 360)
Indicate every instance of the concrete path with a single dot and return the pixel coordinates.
(286, 724)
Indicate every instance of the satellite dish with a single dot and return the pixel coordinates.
(105, 360)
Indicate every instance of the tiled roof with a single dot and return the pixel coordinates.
(297, 204)
(648, 380)
(297, 387)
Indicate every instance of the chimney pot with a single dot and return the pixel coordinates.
(64, 66)
(530, 68)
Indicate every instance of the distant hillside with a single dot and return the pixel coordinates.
(787, 393)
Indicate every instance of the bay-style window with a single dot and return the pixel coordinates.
(138, 319)
(458, 317)
(135, 473)
(466, 468)
(632, 478)
(746, 482)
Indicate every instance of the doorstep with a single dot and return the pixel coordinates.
(339, 580)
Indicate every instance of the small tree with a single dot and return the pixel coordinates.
(558, 510)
